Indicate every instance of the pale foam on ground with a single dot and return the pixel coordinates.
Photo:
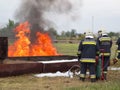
(58, 61)
(66, 74)
(57, 74)
(114, 68)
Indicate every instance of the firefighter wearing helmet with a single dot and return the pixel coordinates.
(87, 51)
(105, 44)
(118, 49)
(99, 33)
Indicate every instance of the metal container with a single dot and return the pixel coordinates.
(3, 48)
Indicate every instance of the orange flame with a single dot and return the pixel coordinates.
(23, 46)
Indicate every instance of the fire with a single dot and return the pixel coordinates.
(23, 46)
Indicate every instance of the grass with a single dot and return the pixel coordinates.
(66, 48)
(29, 82)
(98, 86)
(111, 84)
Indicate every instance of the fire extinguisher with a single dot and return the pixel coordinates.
(102, 51)
(98, 68)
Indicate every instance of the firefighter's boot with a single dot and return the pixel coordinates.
(105, 76)
(93, 80)
(82, 79)
(97, 78)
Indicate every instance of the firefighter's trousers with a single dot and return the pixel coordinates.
(84, 67)
(106, 63)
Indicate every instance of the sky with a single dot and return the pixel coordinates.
(86, 15)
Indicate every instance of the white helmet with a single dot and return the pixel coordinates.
(104, 34)
(89, 35)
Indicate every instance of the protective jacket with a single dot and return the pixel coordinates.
(118, 43)
(105, 44)
(88, 49)
(118, 49)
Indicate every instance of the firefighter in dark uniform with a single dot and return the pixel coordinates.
(118, 49)
(99, 34)
(105, 44)
(87, 52)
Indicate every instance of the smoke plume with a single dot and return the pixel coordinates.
(33, 12)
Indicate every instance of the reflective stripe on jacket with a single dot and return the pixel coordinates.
(87, 60)
(118, 51)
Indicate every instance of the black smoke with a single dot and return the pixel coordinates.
(33, 12)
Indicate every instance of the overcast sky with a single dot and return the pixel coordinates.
(86, 15)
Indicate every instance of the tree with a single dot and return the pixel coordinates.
(63, 33)
(7, 31)
(10, 24)
(53, 33)
(111, 34)
(73, 33)
(68, 34)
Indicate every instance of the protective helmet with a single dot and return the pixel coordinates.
(100, 32)
(104, 34)
(89, 35)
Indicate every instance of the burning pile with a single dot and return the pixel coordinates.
(23, 46)
(34, 42)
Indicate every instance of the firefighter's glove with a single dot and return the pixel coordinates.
(97, 58)
(79, 55)
(97, 53)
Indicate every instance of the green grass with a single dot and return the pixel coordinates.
(29, 82)
(113, 83)
(98, 86)
(66, 48)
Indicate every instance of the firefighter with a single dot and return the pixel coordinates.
(99, 33)
(118, 49)
(105, 44)
(87, 52)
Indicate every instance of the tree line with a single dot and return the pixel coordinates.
(7, 31)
